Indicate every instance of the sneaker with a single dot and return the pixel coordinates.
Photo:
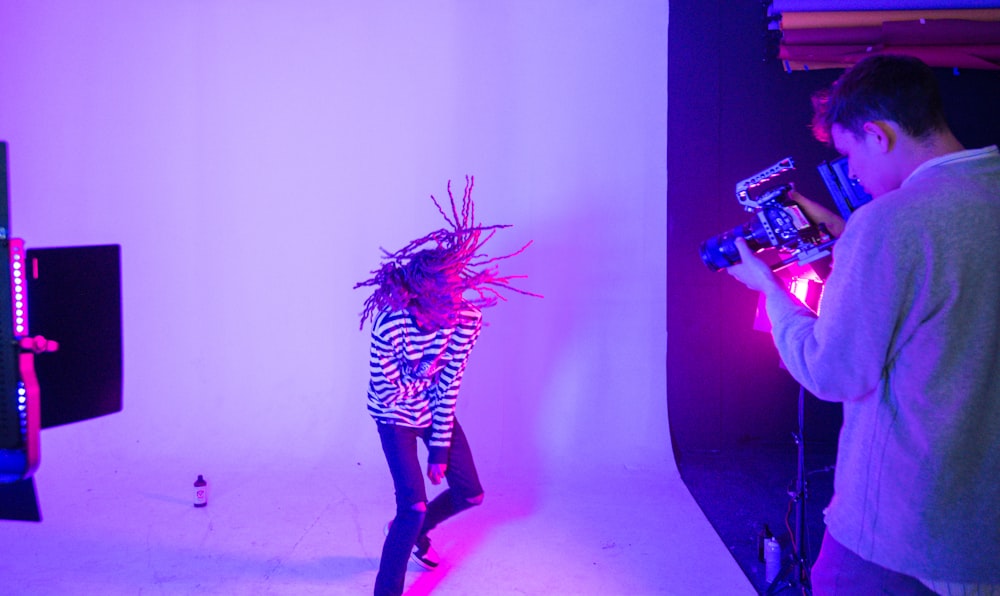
(423, 554)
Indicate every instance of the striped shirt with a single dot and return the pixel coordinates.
(416, 374)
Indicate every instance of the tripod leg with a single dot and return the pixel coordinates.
(793, 574)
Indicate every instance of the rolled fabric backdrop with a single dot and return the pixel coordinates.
(813, 36)
(828, 5)
(874, 18)
(792, 64)
(945, 32)
(811, 57)
(929, 33)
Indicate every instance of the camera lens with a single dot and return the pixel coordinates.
(720, 251)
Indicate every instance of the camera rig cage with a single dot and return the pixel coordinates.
(782, 221)
(778, 222)
(743, 187)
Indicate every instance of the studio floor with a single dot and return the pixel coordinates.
(129, 528)
(744, 488)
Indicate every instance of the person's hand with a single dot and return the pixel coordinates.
(818, 214)
(752, 271)
(436, 472)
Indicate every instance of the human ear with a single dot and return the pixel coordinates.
(883, 134)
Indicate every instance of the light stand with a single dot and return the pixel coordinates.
(794, 574)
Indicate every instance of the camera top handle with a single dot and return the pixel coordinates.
(743, 187)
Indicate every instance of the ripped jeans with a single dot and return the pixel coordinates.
(399, 443)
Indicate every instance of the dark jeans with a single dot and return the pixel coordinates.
(838, 571)
(399, 443)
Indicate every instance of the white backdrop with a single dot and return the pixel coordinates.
(251, 157)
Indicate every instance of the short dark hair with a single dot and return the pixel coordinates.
(901, 89)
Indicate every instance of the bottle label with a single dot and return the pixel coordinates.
(200, 493)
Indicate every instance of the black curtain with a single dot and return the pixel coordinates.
(733, 111)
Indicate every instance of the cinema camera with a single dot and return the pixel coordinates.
(778, 222)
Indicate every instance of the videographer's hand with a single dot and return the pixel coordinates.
(752, 271)
(818, 214)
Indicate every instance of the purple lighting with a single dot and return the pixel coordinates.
(250, 159)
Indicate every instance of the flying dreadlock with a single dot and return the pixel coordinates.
(430, 282)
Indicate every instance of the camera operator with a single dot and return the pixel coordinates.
(908, 338)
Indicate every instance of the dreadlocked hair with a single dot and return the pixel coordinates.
(431, 275)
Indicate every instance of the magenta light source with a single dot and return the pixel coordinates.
(19, 316)
(17, 288)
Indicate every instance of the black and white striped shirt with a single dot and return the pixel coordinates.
(416, 374)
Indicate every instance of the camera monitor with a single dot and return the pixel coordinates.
(846, 191)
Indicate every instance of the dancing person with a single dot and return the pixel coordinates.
(426, 316)
(907, 337)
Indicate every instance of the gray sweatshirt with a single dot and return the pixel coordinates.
(908, 338)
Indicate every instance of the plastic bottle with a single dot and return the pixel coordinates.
(772, 559)
(200, 492)
(761, 538)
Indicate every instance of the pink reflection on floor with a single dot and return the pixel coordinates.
(130, 528)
